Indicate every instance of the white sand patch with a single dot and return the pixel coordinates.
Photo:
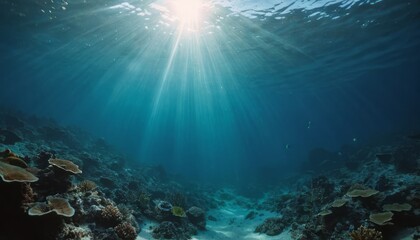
(231, 224)
(146, 231)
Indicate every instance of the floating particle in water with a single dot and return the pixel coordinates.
(354, 139)
(287, 146)
(309, 125)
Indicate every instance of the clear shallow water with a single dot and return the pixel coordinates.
(244, 89)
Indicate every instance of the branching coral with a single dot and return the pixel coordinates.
(125, 231)
(86, 186)
(143, 200)
(110, 216)
(363, 233)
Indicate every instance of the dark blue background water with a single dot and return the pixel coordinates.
(247, 101)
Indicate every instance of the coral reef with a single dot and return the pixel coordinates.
(86, 186)
(381, 218)
(52, 198)
(110, 216)
(58, 205)
(363, 233)
(380, 193)
(65, 165)
(125, 231)
(271, 226)
(373, 186)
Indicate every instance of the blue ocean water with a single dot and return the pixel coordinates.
(239, 90)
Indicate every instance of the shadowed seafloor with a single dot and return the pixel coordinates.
(374, 185)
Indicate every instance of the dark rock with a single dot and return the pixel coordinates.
(271, 227)
(251, 215)
(382, 184)
(384, 157)
(406, 159)
(106, 182)
(211, 218)
(197, 217)
(12, 122)
(60, 134)
(414, 137)
(42, 159)
(8, 137)
(166, 230)
(321, 160)
(133, 185)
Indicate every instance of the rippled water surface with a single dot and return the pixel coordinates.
(261, 43)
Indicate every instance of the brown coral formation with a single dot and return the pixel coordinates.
(325, 212)
(338, 203)
(363, 233)
(110, 216)
(10, 173)
(125, 231)
(65, 165)
(381, 218)
(364, 193)
(58, 205)
(396, 207)
(86, 186)
(15, 161)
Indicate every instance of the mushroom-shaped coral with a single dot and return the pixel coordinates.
(54, 204)
(381, 218)
(6, 153)
(65, 165)
(10, 173)
(9, 157)
(338, 203)
(15, 161)
(325, 212)
(362, 193)
(396, 207)
(363, 233)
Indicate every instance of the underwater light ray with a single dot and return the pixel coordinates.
(165, 74)
(92, 30)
